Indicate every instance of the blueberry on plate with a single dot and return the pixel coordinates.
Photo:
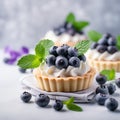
(117, 82)
(101, 98)
(111, 104)
(94, 45)
(101, 48)
(112, 41)
(111, 88)
(74, 61)
(61, 62)
(72, 51)
(71, 32)
(63, 51)
(82, 58)
(25, 97)
(58, 105)
(112, 49)
(101, 79)
(50, 60)
(53, 50)
(68, 26)
(22, 70)
(102, 89)
(57, 31)
(42, 100)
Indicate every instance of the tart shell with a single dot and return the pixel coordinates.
(64, 84)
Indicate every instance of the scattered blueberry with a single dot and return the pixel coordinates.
(42, 100)
(25, 97)
(94, 45)
(111, 104)
(117, 82)
(53, 50)
(51, 60)
(101, 79)
(58, 105)
(72, 52)
(102, 89)
(61, 62)
(82, 58)
(6, 60)
(111, 88)
(101, 98)
(74, 61)
(22, 70)
(112, 49)
(101, 48)
(62, 51)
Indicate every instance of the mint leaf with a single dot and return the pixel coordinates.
(70, 18)
(82, 46)
(40, 50)
(71, 100)
(118, 41)
(47, 44)
(79, 25)
(94, 35)
(110, 74)
(29, 61)
(74, 107)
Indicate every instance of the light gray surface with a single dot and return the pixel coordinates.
(12, 108)
(24, 22)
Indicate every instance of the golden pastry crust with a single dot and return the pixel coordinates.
(64, 84)
(101, 65)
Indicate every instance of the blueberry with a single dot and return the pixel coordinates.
(111, 104)
(22, 70)
(102, 89)
(58, 105)
(42, 100)
(103, 41)
(62, 51)
(94, 45)
(71, 32)
(117, 82)
(74, 61)
(101, 48)
(6, 60)
(101, 98)
(72, 52)
(107, 35)
(82, 58)
(112, 41)
(69, 26)
(111, 88)
(61, 62)
(57, 31)
(80, 32)
(50, 60)
(62, 30)
(112, 49)
(25, 97)
(101, 79)
(53, 50)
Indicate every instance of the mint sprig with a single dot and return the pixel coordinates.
(82, 46)
(118, 41)
(71, 106)
(78, 25)
(110, 74)
(94, 35)
(41, 51)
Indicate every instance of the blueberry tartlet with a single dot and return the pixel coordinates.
(60, 68)
(105, 53)
(70, 32)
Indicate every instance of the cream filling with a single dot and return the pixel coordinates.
(64, 38)
(69, 72)
(95, 55)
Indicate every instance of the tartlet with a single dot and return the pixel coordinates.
(70, 32)
(104, 54)
(60, 68)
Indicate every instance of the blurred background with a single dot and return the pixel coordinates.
(24, 22)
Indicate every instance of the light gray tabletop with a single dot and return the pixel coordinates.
(12, 108)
